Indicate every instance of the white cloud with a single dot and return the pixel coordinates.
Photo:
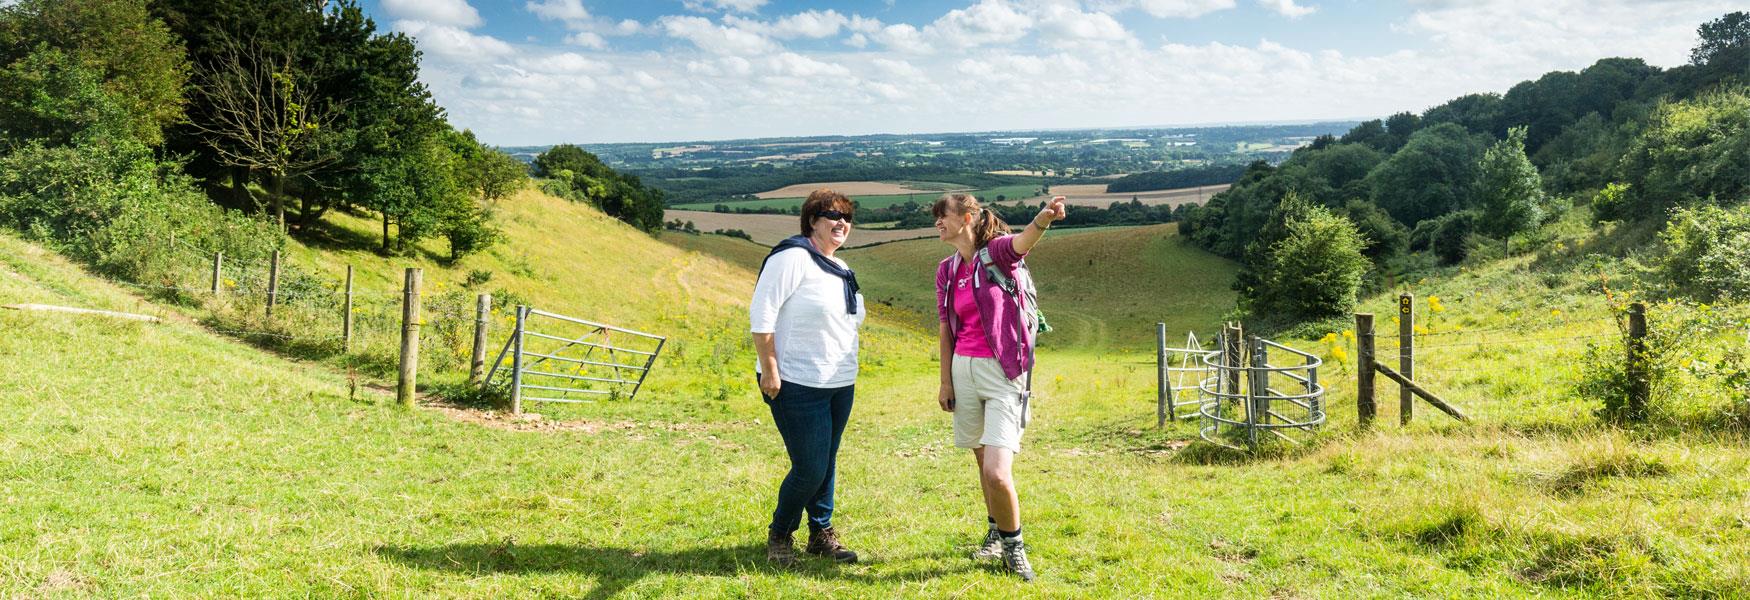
(628, 27)
(453, 13)
(566, 63)
(810, 24)
(454, 44)
(1287, 8)
(1066, 26)
(587, 39)
(559, 10)
(1179, 9)
(745, 6)
(797, 65)
(988, 22)
(717, 39)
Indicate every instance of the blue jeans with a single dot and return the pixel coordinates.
(811, 420)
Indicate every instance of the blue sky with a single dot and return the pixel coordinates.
(547, 71)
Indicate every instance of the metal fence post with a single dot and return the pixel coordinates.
(516, 361)
(218, 261)
(1406, 354)
(346, 315)
(482, 315)
(1640, 386)
(1364, 408)
(409, 380)
(1257, 385)
(273, 282)
(1163, 395)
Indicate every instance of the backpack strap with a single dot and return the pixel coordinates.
(990, 269)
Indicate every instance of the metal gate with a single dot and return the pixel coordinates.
(556, 358)
(1238, 395)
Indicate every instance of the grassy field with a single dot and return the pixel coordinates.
(1102, 289)
(163, 460)
(875, 201)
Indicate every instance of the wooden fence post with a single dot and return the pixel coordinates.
(273, 282)
(1364, 408)
(1640, 386)
(1257, 388)
(1162, 393)
(1231, 355)
(346, 315)
(409, 380)
(1406, 354)
(516, 362)
(218, 262)
(482, 315)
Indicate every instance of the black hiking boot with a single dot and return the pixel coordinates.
(825, 542)
(780, 548)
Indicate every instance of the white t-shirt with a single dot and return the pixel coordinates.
(803, 307)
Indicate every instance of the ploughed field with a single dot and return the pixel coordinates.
(1094, 194)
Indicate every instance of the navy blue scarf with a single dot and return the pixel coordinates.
(826, 264)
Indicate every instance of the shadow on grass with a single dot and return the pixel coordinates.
(616, 569)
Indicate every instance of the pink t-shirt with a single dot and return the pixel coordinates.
(969, 340)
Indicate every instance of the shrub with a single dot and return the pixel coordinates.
(1707, 252)
(1692, 151)
(108, 204)
(1447, 236)
(1315, 272)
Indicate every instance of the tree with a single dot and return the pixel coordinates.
(262, 114)
(1724, 50)
(1315, 270)
(130, 57)
(1691, 151)
(1477, 113)
(1509, 190)
(1432, 175)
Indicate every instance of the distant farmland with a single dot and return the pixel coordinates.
(860, 188)
(869, 201)
(769, 229)
(1094, 194)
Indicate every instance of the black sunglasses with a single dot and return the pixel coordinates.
(834, 215)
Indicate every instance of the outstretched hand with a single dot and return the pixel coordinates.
(1054, 211)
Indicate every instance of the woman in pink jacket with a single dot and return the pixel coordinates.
(987, 351)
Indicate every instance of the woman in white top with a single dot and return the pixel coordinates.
(805, 315)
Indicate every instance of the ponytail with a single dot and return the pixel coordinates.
(986, 227)
(990, 228)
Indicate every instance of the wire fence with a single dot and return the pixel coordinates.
(278, 303)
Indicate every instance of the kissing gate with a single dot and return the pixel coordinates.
(1234, 386)
(567, 357)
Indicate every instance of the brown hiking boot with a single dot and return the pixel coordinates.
(780, 548)
(825, 542)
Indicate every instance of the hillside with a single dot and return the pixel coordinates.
(163, 460)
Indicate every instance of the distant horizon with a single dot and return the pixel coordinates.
(528, 72)
(950, 133)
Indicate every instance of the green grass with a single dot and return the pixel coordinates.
(923, 199)
(162, 460)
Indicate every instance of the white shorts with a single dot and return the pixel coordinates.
(988, 406)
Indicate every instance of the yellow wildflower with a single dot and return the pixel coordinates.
(1349, 333)
(1555, 312)
(1340, 354)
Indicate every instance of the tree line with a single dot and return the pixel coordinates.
(1172, 180)
(1621, 138)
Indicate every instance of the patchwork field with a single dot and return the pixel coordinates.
(922, 198)
(769, 229)
(859, 188)
(1094, 194)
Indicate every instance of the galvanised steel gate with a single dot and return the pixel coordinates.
(1239, 397)
(556, 358)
